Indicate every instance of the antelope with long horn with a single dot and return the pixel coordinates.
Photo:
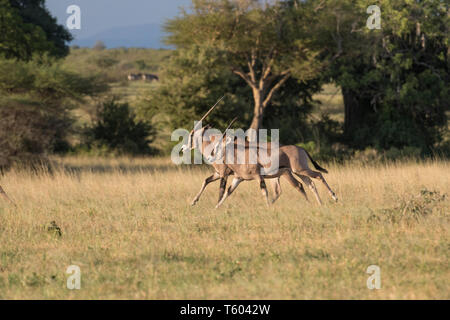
(293, 160)
(221, 171)
(200, 139)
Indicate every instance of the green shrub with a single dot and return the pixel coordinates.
(140, 64)
(36, 99)
(105, 62)
(413, 209)
(117, 130)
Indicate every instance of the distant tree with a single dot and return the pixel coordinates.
(191, 82)
(104, 62)
(99, 45)
(264, 45)
(28, 28)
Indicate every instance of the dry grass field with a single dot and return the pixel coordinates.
(128, 225)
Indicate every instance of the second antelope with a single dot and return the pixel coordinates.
(291, 160)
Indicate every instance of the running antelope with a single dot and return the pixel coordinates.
(198, 140)
(204, 142)
(221, 171)
(292, 159)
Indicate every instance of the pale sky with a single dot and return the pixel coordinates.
(100, 15)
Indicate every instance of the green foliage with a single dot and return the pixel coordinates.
(27, 28)
(114, 65)
(48, 81)
(290, 108)
(264, 45)
(36, 100)
(191, 83)
(140, 64)
(412, 209)
(117, 129)
(104, 62)
(266, 59)
(394, 80)
(193, 80)
(371, 155)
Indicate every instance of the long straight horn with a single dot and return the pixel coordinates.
(210, 110)
(229, 126)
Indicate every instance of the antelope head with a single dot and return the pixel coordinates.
(198, 131)
(218, 148)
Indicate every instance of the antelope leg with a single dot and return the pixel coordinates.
(234, 185)
(307, 180)
(207, 181)
(262, 185)
(319, 176)
(295, 183)
(276, 188)
(223, 185)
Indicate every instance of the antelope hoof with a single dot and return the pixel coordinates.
(194, 202)
(334, 198)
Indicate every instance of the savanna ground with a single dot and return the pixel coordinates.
(128, 225)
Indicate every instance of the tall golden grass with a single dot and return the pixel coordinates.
(128, 225)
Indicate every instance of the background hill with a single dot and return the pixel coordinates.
(139, 36)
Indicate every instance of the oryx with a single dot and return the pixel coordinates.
(204, 142)
(292, 160)
(221, 171)
(198, 140)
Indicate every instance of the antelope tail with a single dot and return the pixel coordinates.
(316, 165)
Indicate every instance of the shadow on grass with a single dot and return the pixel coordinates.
(75, 169)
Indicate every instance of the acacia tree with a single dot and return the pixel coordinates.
(265, 45)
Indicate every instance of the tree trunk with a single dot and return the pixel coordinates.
(351, 107)
(358, 113)
(258, 110)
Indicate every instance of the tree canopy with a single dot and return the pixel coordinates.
(263, 44)
(395, 79)
(28, 28)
